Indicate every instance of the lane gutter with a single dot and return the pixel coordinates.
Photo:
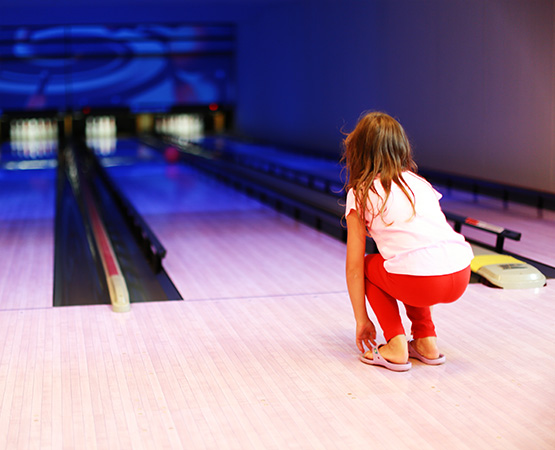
(119, 294)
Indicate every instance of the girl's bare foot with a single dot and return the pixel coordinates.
(427, 347)
(395, 351)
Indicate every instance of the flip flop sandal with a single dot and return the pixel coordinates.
(379, 360)
(432, 362)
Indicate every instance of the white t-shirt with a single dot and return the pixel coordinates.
(422, 245)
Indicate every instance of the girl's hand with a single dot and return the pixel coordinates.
(366, 334)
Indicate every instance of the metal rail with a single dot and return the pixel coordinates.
(500, 232)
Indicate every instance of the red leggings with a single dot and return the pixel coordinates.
(417, 293)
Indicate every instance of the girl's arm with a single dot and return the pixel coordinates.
(354, 268)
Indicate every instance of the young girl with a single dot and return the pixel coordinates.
(422, 261)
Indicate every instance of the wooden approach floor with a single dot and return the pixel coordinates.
(261, 354)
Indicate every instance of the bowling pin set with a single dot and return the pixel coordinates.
(185, 126)
(101, 134)
(34, 138)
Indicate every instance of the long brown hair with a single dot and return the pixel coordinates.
(377, 147)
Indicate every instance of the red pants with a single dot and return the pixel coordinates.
(417, 293)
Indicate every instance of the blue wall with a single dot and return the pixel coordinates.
(472, 81)
(40, 12)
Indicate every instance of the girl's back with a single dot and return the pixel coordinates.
(413, 242)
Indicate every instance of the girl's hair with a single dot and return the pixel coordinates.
(377, 148)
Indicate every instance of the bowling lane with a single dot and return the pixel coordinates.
(327, 168)
(221, 243)
(27, 211)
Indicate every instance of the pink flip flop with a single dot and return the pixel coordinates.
(432, 362)
(379, 360)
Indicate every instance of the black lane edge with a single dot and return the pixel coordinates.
(78, 273)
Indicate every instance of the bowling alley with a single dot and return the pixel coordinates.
(275, 224)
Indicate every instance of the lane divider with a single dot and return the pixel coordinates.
(119, 294)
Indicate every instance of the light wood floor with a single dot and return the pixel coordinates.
(274, 372)
(261, 355)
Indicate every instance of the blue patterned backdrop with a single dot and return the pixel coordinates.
(144, 67)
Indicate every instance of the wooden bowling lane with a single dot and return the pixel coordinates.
(221, 243)
(27, 204)
(249, 254)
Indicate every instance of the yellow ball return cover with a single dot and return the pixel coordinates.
(505, 271)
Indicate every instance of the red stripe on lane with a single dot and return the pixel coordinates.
(106, 251)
